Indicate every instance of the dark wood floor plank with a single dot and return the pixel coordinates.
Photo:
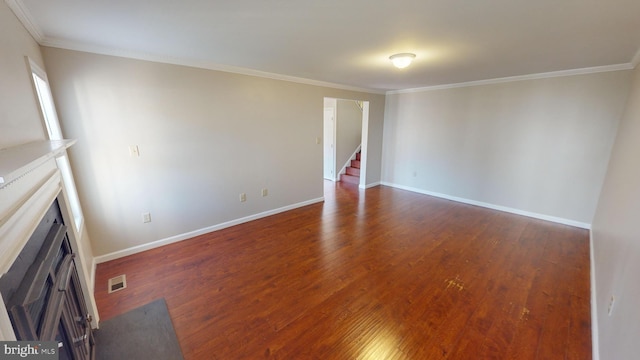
(376, 274)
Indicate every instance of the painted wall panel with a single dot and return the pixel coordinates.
(204, 137)
(616, 240)
(539, 146)
(19, 112)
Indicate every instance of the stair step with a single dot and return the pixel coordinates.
(350, 179)
(353, 171)
(355, 164)
(358, 156)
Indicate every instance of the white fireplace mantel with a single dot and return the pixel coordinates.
(29, 182)
(19, 160)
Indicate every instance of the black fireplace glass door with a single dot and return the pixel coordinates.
(47, 304)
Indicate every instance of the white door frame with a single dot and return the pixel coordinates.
(364, 142)
(329, 149)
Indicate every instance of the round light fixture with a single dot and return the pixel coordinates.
(402, 60)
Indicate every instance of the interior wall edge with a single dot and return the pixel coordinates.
(594, 304)
(93, 274)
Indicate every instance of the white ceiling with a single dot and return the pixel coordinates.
(348, 42)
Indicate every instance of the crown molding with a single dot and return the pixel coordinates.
(26, 19)
(590, 70)
(138, 55)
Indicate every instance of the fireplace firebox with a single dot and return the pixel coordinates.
(42, 291)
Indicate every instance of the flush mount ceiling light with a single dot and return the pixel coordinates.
(402, 60)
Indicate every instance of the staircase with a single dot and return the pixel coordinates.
(352, 175)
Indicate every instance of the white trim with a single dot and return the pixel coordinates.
(25, 17)
(334, 175)
(23, 14)
(364, 144)
(95, 324)
(172, 239)
(36, 69)
(202, 64)
(16, 161)
(590, 70)
(368, 186)
(494, 207)
(595, 339)
(32, 186)
(17, 226)
(94, 265)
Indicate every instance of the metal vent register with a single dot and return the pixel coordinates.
(117, 283)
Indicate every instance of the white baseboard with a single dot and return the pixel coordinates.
(172, 239)
(494, 207)
(595, 342)
(368, 186)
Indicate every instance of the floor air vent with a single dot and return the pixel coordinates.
(117, 283)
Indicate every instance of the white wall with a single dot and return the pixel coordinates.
(616, 240)
(20, 118)
(19, 112)
(204, 137)
(536, 146)
(349, 130)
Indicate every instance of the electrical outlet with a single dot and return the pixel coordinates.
(146, 217)
(243, 197)
(265, 192)
(611, 303)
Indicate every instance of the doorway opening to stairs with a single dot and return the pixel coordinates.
(345, 140)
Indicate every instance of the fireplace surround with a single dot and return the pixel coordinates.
(30, 183)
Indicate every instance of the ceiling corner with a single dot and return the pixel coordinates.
(23, 14)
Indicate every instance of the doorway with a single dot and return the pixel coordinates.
(345, 137)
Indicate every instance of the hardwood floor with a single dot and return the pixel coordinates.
(379, 274)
